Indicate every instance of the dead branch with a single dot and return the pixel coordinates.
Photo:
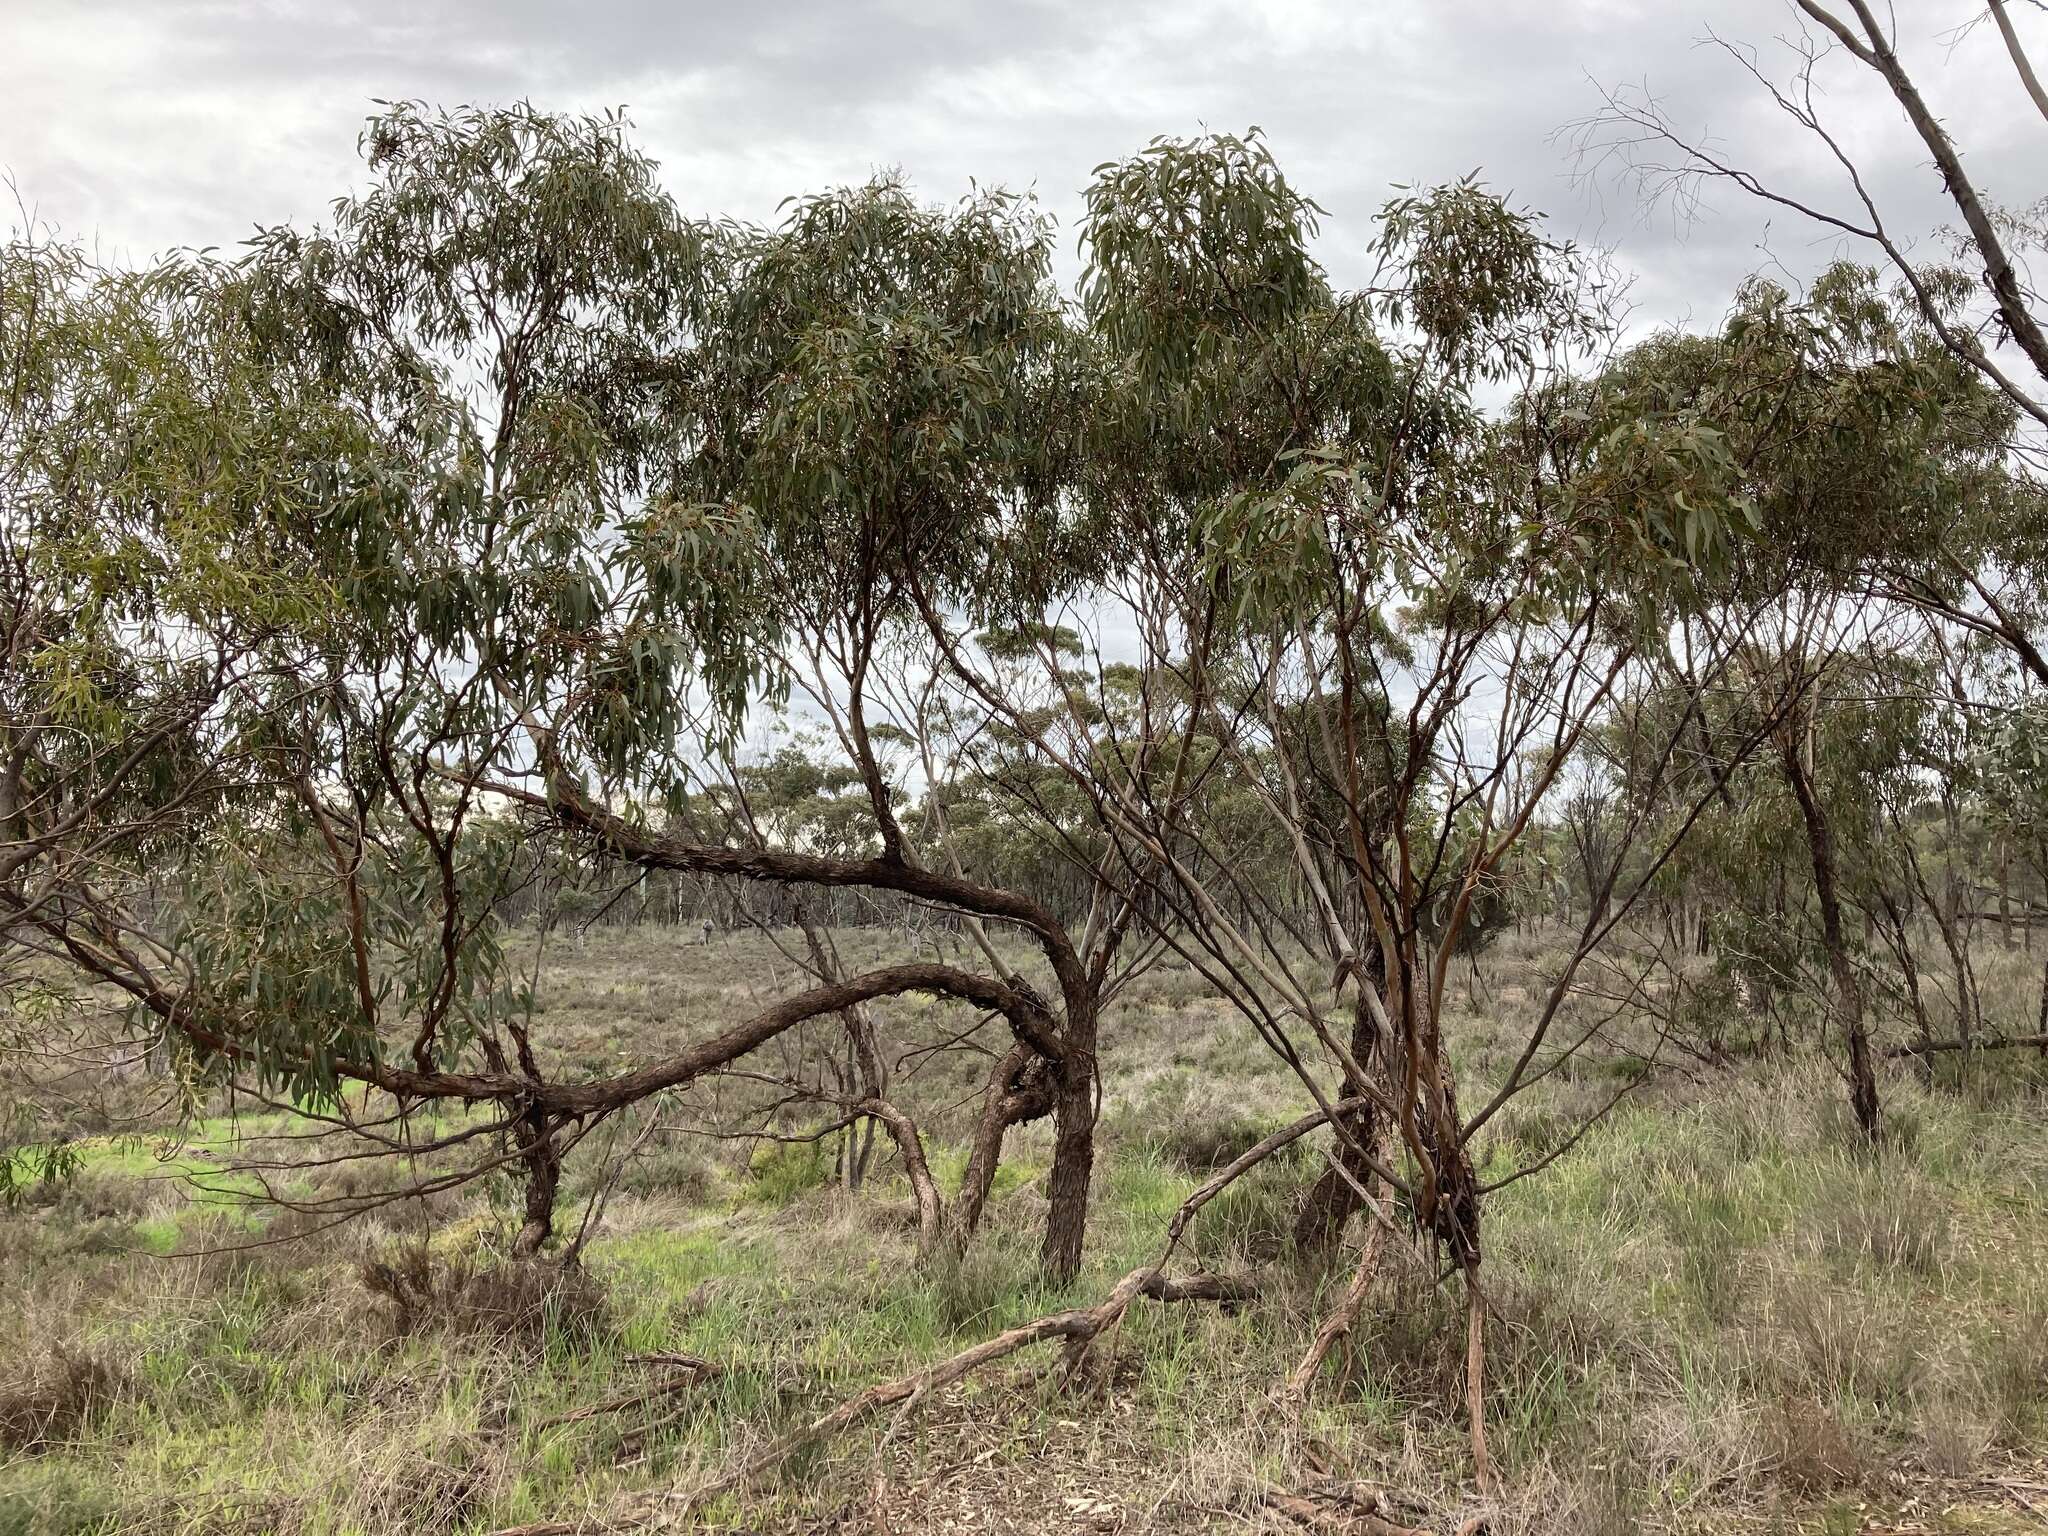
(2005, 1043)
(1361, 1512)
(695, 1370)
(1079, 1326)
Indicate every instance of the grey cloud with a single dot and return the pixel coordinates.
(148, 124)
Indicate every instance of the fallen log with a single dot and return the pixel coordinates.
(1995, 1043)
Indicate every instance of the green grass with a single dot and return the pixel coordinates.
(1715, 1303)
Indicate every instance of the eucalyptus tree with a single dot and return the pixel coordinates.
(400, 495)
(517, 488)
(1873, 459)
(157, 475)
(1378, 623)
(883, 391)
(1972, 302)
(1981, 310)
(1867, 723)
(439, 472)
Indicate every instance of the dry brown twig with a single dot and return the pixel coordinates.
(1080, 1327)
(697, 1370)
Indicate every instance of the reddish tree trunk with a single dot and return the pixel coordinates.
(1019, 1089)
(542, 1161)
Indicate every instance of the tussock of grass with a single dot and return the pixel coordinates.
(521, 1301)
(47, 1397)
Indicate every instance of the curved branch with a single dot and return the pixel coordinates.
(1875, 50)
(650, 850)
(187, 1010)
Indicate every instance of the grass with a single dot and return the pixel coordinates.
(1714, 1312)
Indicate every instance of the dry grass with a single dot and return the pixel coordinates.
(47, 1397)
(1714, 1312)
(521, 1301)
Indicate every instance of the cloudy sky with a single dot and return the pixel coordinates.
(145, 124)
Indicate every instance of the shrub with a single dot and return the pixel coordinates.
(779, 1171)
(45, 1398)
(1810, 1448)
(520, 1301)
(1196, 1124)
(668, 1168)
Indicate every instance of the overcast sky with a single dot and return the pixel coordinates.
(145, 124)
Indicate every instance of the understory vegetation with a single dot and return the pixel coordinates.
(1714, 1313)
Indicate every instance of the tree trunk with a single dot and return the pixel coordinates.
(1958, 955)
(931, 1210)
(543, 1163)
(1333, 1198)
(2044, 1008)
(1073, 1156)
(1848, 994)
(1901, 940)
(1019, 1089)
(1454, 1222)
(2004, 897)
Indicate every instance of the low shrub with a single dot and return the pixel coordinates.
(521, 1301)
(779, 1171)
(45, 1398)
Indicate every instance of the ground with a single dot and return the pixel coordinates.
(1714, 1312)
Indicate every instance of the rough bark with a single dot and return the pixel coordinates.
(542, 1161)
(931, 1210)
(1019, 1090)
(1073, 1154)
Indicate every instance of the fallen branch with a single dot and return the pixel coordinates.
(1079, 1326)
(696, 1370)
(1360, 1512)
(2000, 1043)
